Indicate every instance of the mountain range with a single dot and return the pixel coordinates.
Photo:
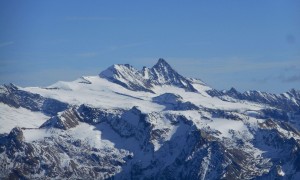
(147, 124)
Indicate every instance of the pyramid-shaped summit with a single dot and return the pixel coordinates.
(162, 63)
(160, 74)
(163, 69)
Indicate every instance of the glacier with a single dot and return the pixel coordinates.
(147, 124)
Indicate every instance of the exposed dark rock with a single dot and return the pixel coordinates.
(66, 120)
(15, 97)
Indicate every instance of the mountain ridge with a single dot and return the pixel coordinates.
(151, 123)
(143, 80)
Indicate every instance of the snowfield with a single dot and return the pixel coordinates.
(102, 93)
(11, 117)
(151, 123)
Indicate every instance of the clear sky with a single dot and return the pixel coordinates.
(247, 44)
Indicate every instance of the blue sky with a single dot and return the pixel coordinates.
(247, 44)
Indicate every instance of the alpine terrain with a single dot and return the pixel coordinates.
(147, 124)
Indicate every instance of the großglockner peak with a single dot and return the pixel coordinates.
(160, 74)
(147, 124)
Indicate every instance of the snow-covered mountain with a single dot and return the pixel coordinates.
(160, 74)
(147, 124)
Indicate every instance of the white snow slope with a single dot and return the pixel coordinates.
(11, 117)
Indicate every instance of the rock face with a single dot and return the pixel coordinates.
(66, 120)
(163, 74)
(13, 96)
(184, 131)
(56, 157)
(288, 101)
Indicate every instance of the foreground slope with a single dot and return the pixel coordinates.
(153, 124)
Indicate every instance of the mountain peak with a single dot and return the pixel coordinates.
(117, 70)
(162, 61)
(232, 90)
(126, 76)
(162, 64)
(163, 74)
(160, 74)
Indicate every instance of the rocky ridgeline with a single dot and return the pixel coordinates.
(183, 141)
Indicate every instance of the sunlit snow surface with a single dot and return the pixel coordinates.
(11, 117)
(99, 92)
(102, 93)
